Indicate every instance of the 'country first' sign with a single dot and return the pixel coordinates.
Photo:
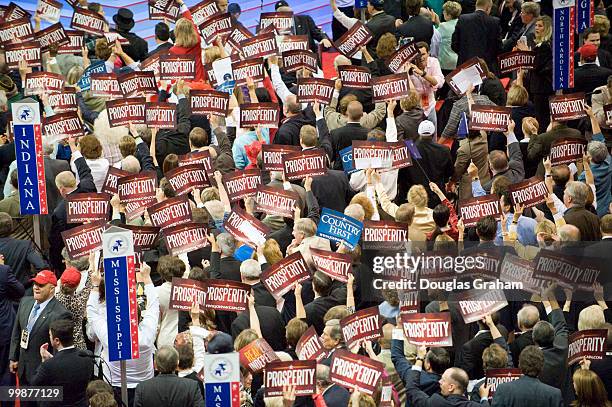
(28, 151)
(120, 273)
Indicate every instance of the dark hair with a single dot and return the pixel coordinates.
(441, 214)
(63, 329)
(589, 31)
(531, 361)
(422, 44)
(166, 188)
(486, 228)
(170, 163)
(507, 199)
(543, 334)
(438, 359)
(413, 8)
(186, 355)
(162, 31)
(321, 283)
(263, 96)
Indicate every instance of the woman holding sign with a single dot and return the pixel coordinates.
(188, 41)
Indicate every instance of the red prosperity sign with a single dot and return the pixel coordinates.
(402, 56)
(308, 163)
(350, 370)
(261, 46)
(272, 155)
(137, 192)
(218, 25)
(315, 90)
(82, 240)
(64, 102)
(297, 59)
(227, 295)
(185, 292)
(110, 181)
(248, 68)
(275, 201)
(38, 82)
(281, 277)
(87, 207)
(356, 37)
(20, 28)
(137, 83)
(62, 126)
(428, 329)
(262, 114)
(515, 269)
(282, 21)
(495, 377)
(172, 67)
(567, 150)
(589, 343)
(74, 45)
(355, 77)
(185, 238)
(490, 118)
(184, 178)
(300, 374)
(171, 212)
(24, 51)
(246, 228)
(122, 112)
(567, 107)
(513, 61)
(390, 87)
(105, 85)
(211, 102)
(363, 325)
(473, 209)
(476, 304)
(56, 35)
(88, 21)
(529, 192)
(241, 184)
(310, 347)
(336, 265)
(371, 154)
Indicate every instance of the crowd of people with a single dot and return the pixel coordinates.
(53, 313)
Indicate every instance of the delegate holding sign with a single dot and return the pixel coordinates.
(340, 228)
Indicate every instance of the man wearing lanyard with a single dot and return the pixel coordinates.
(31, 329)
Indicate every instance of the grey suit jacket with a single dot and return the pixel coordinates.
(29, 359)
(52, 168)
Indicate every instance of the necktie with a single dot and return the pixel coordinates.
(33, 316)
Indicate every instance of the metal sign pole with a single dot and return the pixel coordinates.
(124, 393)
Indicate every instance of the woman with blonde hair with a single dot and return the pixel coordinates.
(423, 216)
(187, 40)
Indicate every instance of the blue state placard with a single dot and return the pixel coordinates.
(339, 228)
(346, 155)
(85, 82)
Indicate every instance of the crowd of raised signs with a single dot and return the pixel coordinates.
(412, 209)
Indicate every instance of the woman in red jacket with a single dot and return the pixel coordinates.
(188, 41)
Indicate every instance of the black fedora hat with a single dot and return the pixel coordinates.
(124, 19)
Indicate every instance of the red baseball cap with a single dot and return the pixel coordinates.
(45, 277)
(588, 51)
(71, 277)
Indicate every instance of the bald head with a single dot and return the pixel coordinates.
(459, 378)
(354, 111)
(527, 317)
(569, 233)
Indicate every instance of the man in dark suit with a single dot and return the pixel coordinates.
(52, 169)
(11, 290)
(303, 24)
(379, 22)
(417, 27)
(552, 338)
(167, 389)
(604, 57)
(124, 22)
(526, 318)
(162, 37)
(223, 265)
(31, 329)
(332, 190)
(353, 130)
(175, 140)
(529, 12)
(478, 35)
(69, 367)
(66, 184)
(528, 390)
(271, 323)
(510, 165)
(19, 255)
(539, 146)
(574, 197)
(333, 394)
(435, 165)
(453, 385)
(289, 131)
(589, 75)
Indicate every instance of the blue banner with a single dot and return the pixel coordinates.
(346, 155)
(361, 3)
(222, 394)
(121, 309)
(339, 228)
(563, 48)
(585, 15)
(85, 82)
(414, 151)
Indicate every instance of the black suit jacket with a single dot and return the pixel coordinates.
(10, 290)
(477, 35)
(343, 137)
(59, 216)
(588, 77)
(586, 221)
(380, 24)
(418, 398)
(520, 342)
(471, 353)
(226, 268)
(29, 359)
(271, 323)
(332, 190)
(305, 25)
(418, 27)
(137, 49)
(70, 369)
(164, 46)
(526, 391)
(21, 256)
(168, 390)
(555, 357)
